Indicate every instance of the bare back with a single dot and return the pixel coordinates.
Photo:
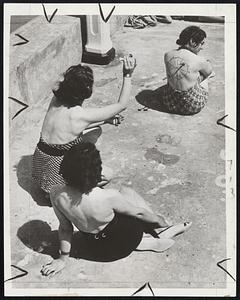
(89, 213)
(183, 68)
(59, 123)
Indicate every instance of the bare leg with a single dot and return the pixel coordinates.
(134, 198)
(107, 175)
(107, 172)
(164, 242)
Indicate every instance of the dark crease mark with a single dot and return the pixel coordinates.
(101, 13)
(18, 113)
(221, 119)
(221, 267)
(18, 276)
(45, 14)
(139, 290)
(182, 64)
(18, 101)
(53, 15)
(23, 38)
(151, 289)
(143, 287)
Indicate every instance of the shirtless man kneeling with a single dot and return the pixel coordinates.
(186, 92)
(113, 221)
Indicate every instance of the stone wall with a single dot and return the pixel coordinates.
(36, 65)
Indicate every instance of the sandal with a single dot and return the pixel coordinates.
(174, 230)
(156, 245)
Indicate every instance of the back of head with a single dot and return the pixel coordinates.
(76, 86)
(81, 167)
(194, 33)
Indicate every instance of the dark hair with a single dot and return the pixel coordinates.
(81, 167)
(76, 85)
(191, 32)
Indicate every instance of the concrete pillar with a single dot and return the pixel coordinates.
(98, 49)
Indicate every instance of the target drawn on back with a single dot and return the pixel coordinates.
(177, 67)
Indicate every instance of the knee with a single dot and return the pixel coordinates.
(107, 172)
(126, 190)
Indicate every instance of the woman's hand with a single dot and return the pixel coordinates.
(129, 64)
(116, 120)
(53, 267)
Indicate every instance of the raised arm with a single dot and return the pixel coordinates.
(65, 232)
(92, 115)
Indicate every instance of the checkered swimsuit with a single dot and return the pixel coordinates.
(185, 102)
(46, 162)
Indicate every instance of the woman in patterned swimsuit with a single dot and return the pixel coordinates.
(66, 119)
(186, 92)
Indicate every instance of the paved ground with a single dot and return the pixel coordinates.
(175, 162)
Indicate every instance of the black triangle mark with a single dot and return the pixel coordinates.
(221, 267)
(140, 289)
(23, 38)
(20, 102)
(18, 276)
(221, 119)
(101, 13)
(45, 14)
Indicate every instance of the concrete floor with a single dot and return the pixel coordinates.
(174, 162)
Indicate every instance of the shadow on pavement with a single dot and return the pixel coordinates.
(38, 236)
(152, 99)
(24, 175)
(24, 170)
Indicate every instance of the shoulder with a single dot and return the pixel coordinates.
(76, 112)
(105, 193)
(169, 54)
(202, 61)
(77, 119)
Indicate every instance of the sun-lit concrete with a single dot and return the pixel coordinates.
(175, 162)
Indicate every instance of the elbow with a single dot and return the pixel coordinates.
(140, 213)
(123, 108)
